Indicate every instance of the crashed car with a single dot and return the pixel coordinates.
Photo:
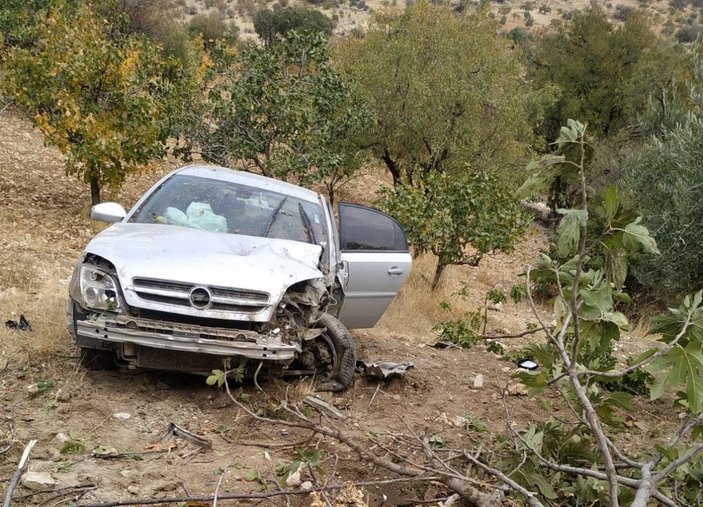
(217, 268)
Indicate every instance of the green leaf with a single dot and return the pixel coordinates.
(542, 174)
(616, 266)
(610, 203)
(637, 236)
(569, 230)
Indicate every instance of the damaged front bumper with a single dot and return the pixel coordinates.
(186, 338)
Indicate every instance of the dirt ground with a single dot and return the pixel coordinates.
(103, 430)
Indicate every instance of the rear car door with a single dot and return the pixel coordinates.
(376, 260)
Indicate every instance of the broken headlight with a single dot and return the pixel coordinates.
(98, 289)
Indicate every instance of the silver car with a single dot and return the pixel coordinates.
(216, 268)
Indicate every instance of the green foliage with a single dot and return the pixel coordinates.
(663, 180)
(72, 446)
(283, 111)
(303, 457)
(104, 100)
(604, 72)
(19, 17)
(449, 213)
(462, 331)
(445, 91)
(212, 28)
(271, 26)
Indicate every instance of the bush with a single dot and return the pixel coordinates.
(688, 34)
(271, 26)
(664, 180)
(212, 27)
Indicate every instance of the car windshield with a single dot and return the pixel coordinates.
(227, 207)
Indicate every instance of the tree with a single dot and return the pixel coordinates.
(99, 97)
(271, 26)
(212, 27)
(604, 72)
(446, 93)
(18, 17)
(450, 213)
(283, 111)
(663, 179)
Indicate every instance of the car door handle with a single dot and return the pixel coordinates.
(395, 270)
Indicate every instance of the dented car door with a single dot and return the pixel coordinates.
(375, 255)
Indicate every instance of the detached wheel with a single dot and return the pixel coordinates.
(96, 359)
(334, 354)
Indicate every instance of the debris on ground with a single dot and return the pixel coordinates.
(20, 325)
(323, 407)
(527, 364)
(176, 431)
(382, 369)
(477, 381)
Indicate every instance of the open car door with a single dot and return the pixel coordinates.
(376, 260)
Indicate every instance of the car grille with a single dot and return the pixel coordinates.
(221, 298)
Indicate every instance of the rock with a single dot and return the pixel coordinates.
(478, 381)
(162, 385)
(32, 390)
(122, 416)
(517, 389)
(61, 438)
(133, 490)
(496, 307)
(460, 422)
(63, 395)
(306, 486)
(38, 481)
(294, 479)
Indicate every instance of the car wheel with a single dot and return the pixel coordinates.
(96, 359)
(334, 349)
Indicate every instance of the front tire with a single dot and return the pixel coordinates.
(337, 338)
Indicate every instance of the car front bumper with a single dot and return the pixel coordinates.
(186, 338)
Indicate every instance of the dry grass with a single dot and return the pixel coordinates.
(416, 308)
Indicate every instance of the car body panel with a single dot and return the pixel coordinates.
(208, 259)
(370, 287)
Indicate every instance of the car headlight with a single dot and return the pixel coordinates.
(98, 289)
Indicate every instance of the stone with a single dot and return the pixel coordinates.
(61, 438)
(38, 481)
(122, 416)
(32, 390)
(478, 381)
(63, 395)
(133, 490)
(294, 479)
(306, 486)
(517, 389)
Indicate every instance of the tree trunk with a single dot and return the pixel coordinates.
(392, 167)
(94, 190)
(438, 273)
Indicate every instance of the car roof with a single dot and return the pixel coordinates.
(244, 178)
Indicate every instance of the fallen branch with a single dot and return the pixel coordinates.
(21, 466)
(516, 335)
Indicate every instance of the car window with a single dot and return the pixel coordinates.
(227, 207)
(368, 229)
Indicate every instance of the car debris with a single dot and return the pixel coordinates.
(20, 325)
(213, 267)
(527, 364)
(382, 369)
(176, 431)
(323, 407)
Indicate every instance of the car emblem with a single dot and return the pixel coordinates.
(200, 298)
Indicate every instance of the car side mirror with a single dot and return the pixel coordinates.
(109, 212)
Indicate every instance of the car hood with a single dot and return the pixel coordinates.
(205, 258)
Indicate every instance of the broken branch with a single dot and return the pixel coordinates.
(21, 466)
